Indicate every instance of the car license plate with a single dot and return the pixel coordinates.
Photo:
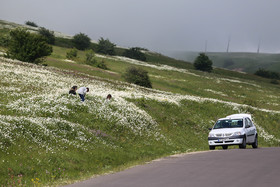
(220, 140)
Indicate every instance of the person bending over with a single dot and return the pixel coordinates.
(82, 93)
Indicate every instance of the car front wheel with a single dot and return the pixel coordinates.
(225, 146)
(212, 147)
(255, 144)
(243, 145)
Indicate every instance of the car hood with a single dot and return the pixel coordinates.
(226, 130)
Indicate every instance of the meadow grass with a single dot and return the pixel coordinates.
(230, 86)
(50, 138)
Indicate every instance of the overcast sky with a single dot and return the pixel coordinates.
(159, 25)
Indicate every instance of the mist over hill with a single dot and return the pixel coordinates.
(238, 61)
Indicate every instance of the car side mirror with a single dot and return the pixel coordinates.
(209, 129)
(247, 126)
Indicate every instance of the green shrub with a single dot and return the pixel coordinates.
(4, 40)
(81, 41)
(203, 63)
(135, 53)
(31, 23)
(267, 74)
(101, 64)
(90, 60)
(106, 47)
(72, 54)
(137, 76)
(28, 47)
(49, 35)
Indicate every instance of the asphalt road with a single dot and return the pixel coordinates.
(220, 168)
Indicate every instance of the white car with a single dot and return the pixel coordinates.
(236, 129)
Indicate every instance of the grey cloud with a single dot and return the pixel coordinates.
(159, 25)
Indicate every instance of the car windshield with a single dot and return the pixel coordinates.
(229, 123)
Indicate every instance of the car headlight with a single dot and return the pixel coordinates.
(236, 133)
(211, 135)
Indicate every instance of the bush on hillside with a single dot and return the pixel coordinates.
(49, 35)
(106, 47)
(28, 47)
(72, 54)
(135, 53)
(102, 65)
(137, 76)
(267, 74)
(90, 60)
(31, 23)
(4, 40)
(81, 41)
(203, 63)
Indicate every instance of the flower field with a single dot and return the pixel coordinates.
(42, 128)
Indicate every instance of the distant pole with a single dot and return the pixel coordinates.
(205, 49)
(228, 44)
(259, 46)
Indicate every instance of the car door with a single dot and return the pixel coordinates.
(253, 130)
(250, 131)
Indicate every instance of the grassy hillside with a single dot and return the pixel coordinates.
(246, 62)
(48, 137)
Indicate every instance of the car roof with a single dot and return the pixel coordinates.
(240, 116)
(237, 116)
(229, 118)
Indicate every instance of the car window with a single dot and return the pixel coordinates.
(230, 123)
(248, 122)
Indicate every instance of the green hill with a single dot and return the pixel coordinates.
(246, 62)
(48, 137)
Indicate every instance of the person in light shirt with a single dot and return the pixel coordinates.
(82, 92)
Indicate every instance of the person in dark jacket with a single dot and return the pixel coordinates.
(73, 90)
(109, 97)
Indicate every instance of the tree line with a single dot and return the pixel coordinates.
(21, 43)
(34, 47)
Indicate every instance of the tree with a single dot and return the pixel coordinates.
(137, 76)
(81, 41)
(31, 23)
(49, 35)
(135, 53)
(106, 47)
(203, 63)
(28, 47)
